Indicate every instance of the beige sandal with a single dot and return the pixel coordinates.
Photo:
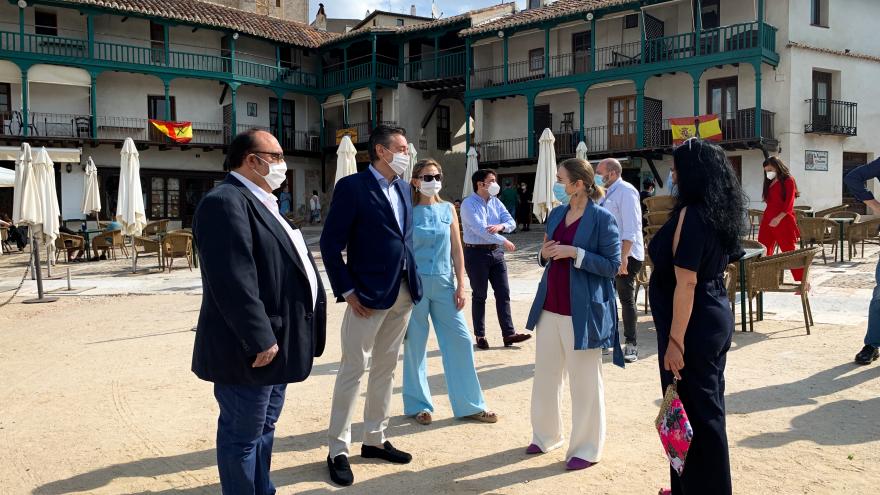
(423, 418)
(484, 417)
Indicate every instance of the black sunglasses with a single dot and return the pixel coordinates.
(429, 178)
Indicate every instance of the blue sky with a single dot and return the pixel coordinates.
(356, 9)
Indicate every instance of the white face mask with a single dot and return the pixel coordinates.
(494, 189)
(770, 175)
(277, 173)
(430, 189)
(399, 163)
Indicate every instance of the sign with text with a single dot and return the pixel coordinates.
(816, 161)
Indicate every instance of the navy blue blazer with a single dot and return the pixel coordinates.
(255, 294)
(592, 292)
(362, 223)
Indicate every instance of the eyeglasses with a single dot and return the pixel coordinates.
(431, 178)
(276, 157)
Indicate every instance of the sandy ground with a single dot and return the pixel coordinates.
(97, 397)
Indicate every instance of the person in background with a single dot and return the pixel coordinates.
(524, 211)
(647, 192)
(575, 314)
(73, 254)
(509, 198)
(689, 303)
(779, 224)
(18, 235)
(855, 182)
(622, 200)
(284, 200)
(673, 188)
(436, 241)
(315, 208)
(457, 203)
(484, 218)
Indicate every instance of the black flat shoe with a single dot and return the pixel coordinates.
(482, 343)
(340, 470)
(387, 453)
(867, 355)
(516, 339)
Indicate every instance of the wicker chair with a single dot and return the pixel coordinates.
(844, 214)
(657, 217)
(861, 232)
(110, 241)
(659, 203)
(66, 243)
(142, 246)
(4, 241)
(767, 275)
(803, 207)
(155, 228)
(650, 231)
(828, 211)
(732, 275)
(819, 231)
(643, 278)
(755, 217)
(177, 245)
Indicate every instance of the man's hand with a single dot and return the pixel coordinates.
(509, 246)
(623, 270)
(356, 307)
(494, 229)
(265, 357)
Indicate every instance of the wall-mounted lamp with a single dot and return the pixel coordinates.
(22, 4)
(69, 168)
(235, 36)
(589, 16)
(500, 34)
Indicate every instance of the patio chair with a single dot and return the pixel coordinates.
(643, 278)
(819, 231)
(66, 242)
(4, 241)
(177, 245)
(732, 275)
(143, 246)
(657, 217)
(861, 232)
(649, 232)
(767, 275)
(659, 203)
(804, 207)
(155, 227)
(755, 217)
(110, 241)
(833, 209)
(844, 214)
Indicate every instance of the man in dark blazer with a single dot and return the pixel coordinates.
(264, 311)
(370, 218)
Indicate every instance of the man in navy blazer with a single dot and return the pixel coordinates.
(263, 314)
(370, 218)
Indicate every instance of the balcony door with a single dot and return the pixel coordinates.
(821, 101)
(543, 120)
(286, 134)
(722, 95)
(622, 122)
(580, 49)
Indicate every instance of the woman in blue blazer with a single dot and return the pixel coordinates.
(575, 312)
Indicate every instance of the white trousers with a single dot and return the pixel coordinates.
(555, 357)
(375, 341)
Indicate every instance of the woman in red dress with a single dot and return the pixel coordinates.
(779, 224)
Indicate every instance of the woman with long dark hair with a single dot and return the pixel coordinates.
(690, 306)
(778, 224)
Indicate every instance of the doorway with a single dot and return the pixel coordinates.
(821, 101)
(850, 162)
(622, 122)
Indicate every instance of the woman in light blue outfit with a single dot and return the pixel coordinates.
(437, 245)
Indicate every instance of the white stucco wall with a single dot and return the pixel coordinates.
(123, 94)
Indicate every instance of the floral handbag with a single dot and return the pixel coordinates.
(674, 428)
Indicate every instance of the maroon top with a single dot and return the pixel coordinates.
(558, 298)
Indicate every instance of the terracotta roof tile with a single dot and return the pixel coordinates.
(209, 14)
(560, 8)
(830, 51)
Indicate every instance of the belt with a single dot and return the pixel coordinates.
(489, 247)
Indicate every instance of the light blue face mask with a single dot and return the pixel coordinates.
(560, 194)
(600, 181)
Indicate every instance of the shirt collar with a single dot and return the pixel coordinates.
(381, 178)
(257, 191)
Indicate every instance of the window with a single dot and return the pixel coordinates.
(164, 197)
(710, 13)
(534, 4)
(631, 21)
(580, 47)
(45, 23)
(400, 22)
(444, 135)
(156, 108)
(251, 109)
(157, 42)
(536, 59)
(5, 100)
(289, 57)
(278, 4)
(722, 97)
(287, 135)
(819, 13)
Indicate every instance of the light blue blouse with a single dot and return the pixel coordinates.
(431, 241)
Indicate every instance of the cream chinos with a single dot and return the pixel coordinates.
(555, 356)
(376, 340)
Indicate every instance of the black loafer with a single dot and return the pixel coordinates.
(482, 343)
(516, 339)
(387, 452)
(340, 470)
(867, 355)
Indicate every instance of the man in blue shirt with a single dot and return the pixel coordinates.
(855, 181)
(483, 218)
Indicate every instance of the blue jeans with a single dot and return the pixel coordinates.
(872, 338)
(456, 348)
(245, 433)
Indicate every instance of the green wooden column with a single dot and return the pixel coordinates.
(546, 53)
(530, 108)
(90, 34)
(504, 45)
(25, 111)
(640, 113)
(232, 66)
(467, 126)
(373, 116)
(467, 65)
(758, 115)
(345, 65)
(582, 97)
(593, 45)
(21, 28)
(696, 76)
(233, 92)
(167, 84)
(93, 103)
(373, 57)
(698, 25)
(761, 24)
(642, 33)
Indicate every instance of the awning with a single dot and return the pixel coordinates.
(58, 155)
(7, 177)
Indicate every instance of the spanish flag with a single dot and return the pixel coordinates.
(179, 132)
(684, 128)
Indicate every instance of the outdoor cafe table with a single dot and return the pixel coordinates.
(842, 222)
(750, 253)
(87, 236)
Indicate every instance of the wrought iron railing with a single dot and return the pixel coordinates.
(501, 150)
(487, 77)
(832, 117)
(445, 66)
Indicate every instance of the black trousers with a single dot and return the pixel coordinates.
(626, 291)
(701, 389)
(484, 267)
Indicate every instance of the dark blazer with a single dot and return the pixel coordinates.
(362, 223)
(255, 294)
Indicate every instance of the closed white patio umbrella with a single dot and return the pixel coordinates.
(413, 158)
(23, 169)
(543, 199)
(130, 200)
(91, 196)
(469, 171)
(581, 150)
(31, 206)
(44, 174)
(345, 159)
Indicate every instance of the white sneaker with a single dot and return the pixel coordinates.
(631, 353)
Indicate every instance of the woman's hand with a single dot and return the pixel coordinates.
(673, 359)
(560, 251)
(546, 246)
(458, 297)
(776, 220)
